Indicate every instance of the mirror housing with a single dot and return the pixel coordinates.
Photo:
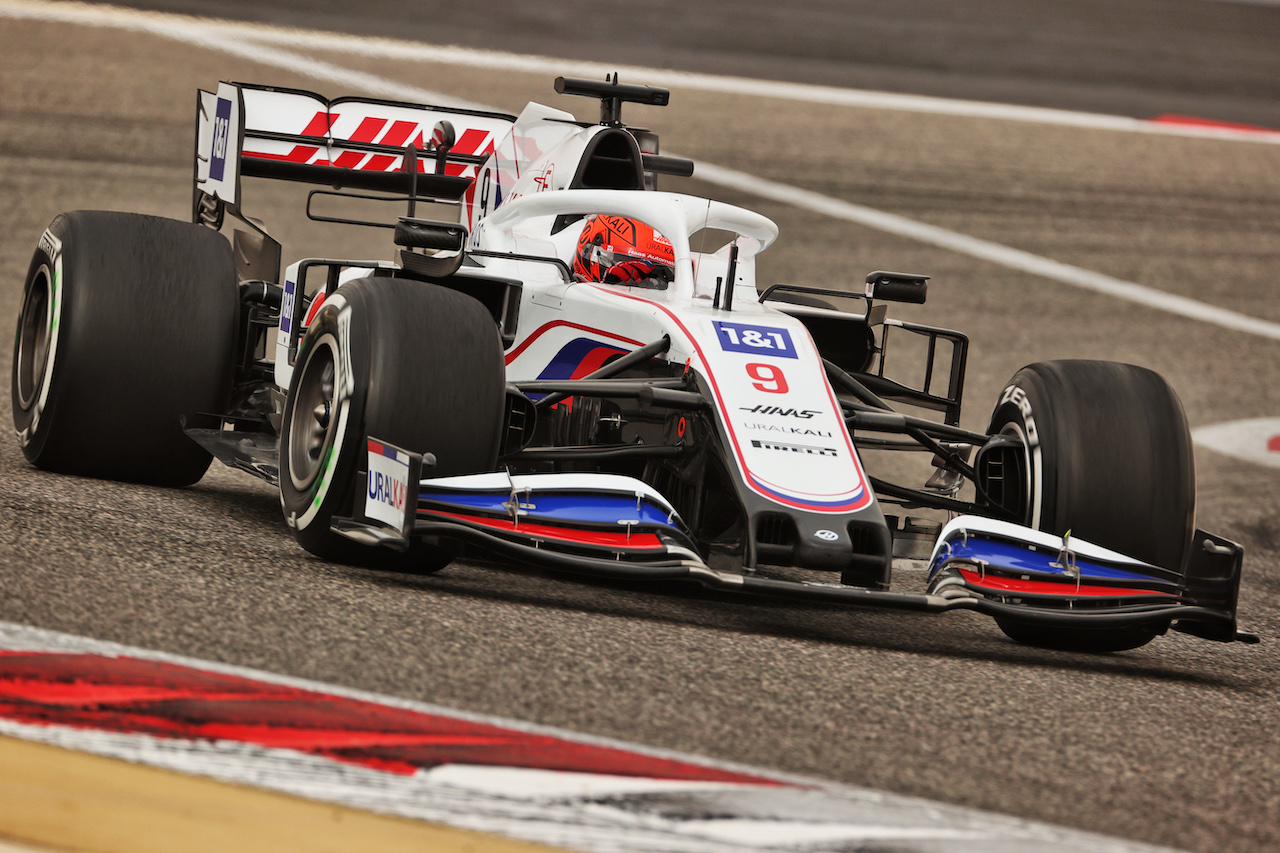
(897, 286)
(442, 243)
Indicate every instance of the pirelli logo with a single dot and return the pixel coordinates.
(794, 448)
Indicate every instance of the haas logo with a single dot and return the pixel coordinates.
(545, 180)
(804, 414)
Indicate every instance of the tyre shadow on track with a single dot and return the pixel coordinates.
(240, 517)
(961, 636)
(956, 636)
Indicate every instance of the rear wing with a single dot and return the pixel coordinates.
(352, 143)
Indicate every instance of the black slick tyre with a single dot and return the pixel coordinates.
(1108, 457)
(128, 325)
(416, 365)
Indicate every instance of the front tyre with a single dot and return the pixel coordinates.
(1106, 454)
(416, 365)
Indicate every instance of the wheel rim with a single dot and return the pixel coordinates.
(1031, 482)
(311, 426)
(33, 338)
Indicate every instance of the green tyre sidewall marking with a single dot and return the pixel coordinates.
(311, 507)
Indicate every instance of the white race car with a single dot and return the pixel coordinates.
(579, 371)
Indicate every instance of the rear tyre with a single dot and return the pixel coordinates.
(1108, 456)
(416, 365)
(128, 325)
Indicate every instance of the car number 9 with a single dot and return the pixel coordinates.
(769, 378)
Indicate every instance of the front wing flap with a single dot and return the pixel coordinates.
(601, 516)
(586, 518)
(1020, 573)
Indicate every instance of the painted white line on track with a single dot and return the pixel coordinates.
(986, 250)
(99, 15)
(250, 42)
(809, 93)
(225, 37)
(1256, 440)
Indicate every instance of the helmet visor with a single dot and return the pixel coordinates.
(632, 267)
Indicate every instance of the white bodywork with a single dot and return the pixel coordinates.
(753, 357)
(779, 416)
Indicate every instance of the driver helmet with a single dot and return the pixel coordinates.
(618, 250)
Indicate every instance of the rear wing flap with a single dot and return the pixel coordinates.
(354, 143)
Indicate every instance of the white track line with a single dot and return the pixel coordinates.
(251, 41)
(988, 251)
(495, 60)
(313, 40)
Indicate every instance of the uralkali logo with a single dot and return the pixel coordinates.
(221, 135)
(388, 485)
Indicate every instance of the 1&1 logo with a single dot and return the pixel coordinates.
(756, 340)
(221, 133)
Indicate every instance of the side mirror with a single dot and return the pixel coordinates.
(443, 243)
(897, 286)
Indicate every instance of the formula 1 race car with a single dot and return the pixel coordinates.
(510, 388)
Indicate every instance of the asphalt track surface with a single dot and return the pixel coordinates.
(1173, 743)
(1133, 57)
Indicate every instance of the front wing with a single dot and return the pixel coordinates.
(613, 526)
